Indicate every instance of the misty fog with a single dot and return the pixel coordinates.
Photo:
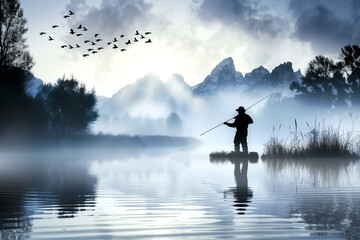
(154, 106)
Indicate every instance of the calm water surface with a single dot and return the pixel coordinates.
(177, 194)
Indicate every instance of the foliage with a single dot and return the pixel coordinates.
(20, 114)
(70, 108)
(13, 48)
(332, 84)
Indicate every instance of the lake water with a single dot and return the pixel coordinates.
(174, 194)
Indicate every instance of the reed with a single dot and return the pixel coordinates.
(320, 141)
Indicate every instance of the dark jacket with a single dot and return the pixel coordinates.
(241, 123)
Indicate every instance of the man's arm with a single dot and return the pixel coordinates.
(230, 124)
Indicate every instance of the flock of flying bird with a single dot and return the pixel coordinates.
(94, 44)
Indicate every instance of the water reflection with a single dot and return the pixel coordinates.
(242, 194)
(321, 172)
(326, 197)
(33, 183)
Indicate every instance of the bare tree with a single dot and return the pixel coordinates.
(13, 47)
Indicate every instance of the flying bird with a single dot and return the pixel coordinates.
(66, 16)
(84, 28)
(147, 33)
(100, 48)
(71, 47)
(77, 45)
(50, 38)
(79, 34)
(135, 40)
(55, 26)
(42, 33)
(93, 52)
(92, 43)
(123, 49)
(79, 27)
(109, 43)
(96, 34)
(98, 40)
(85, 55)
(137, 32)
(63, 46)
(148, 41)
(86, 41)
(71, 13)
(72, 31)
(114, 47)
(142, 37)
(121, 36)
(90, 49)
(128, 42)
(115, 40)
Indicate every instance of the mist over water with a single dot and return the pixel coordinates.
(159, 193)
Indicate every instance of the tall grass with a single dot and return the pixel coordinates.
(319, 141)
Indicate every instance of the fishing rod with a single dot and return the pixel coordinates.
(235, 116)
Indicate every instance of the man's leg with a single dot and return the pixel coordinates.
(237, 147)
(244, 147)
(244, 144)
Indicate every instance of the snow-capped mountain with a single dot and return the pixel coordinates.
(223, 76)
(255, 76)
(281, 76)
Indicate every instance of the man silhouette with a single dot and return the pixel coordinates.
(241, 123)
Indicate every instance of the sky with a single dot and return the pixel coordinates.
(189, 37)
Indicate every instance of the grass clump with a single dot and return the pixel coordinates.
(320, 141)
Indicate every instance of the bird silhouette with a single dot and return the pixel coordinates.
(55, 26)
(128, 42)
(66, 16)
(90, 49)
(147, 33)
(93, 52)
(71, 13)
(135, 40)
(142, 37)
(100, 48)
(115, 40)
(121, 36)
(86, 41)
(148, 41)
(137, 32)
(71, 47)
(109, 43)
(79, 34)
(42, 33)
(98, 40)
(96, 34)
(92, 43)
(79, 27)
(77, 45)
(63, 46)
(114, 47)
(123, 49)
(84, 28)
(85, 55)
(50, 38)
(72, 31)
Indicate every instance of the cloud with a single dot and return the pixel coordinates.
(251, 16)
(326, 25)
(113, 17)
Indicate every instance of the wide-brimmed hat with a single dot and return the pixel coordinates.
(241, 109)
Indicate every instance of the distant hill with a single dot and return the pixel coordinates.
(224, 76)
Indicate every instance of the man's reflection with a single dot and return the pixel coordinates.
(242, 193)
